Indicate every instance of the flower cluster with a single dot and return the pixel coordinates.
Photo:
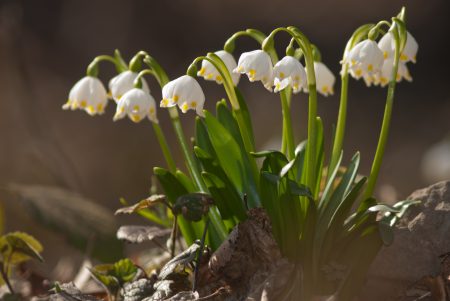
(368, 59)
(90, 95)
(374, 61)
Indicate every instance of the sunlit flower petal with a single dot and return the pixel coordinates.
(385, 75)
(365, 60)
(137, 104)
(258, 67)
(185, 92)
(87, 94)
(324, 79)
(409, 53)
(289, 71)
(122, 83)
(209, 72)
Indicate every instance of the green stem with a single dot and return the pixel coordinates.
(195, 174)
(92, 69)
(164, 147)
(231, 93)
(191, 165)
(163, 79)
(342, 117)
(306, 47)
(376, 165)
(360, 33)
(288, 134)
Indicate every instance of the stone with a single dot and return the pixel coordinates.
(421, 237)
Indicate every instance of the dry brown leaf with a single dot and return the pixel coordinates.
(144, 204)
(139, 234)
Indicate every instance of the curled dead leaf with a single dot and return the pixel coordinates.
(138, 234)
(144, 204)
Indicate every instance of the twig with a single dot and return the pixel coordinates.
(5, 278)
(218, 292)
(199, 258)
(173, 236)
(423, 296)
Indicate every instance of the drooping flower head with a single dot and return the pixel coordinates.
(409, 53)
(185, 92)
(258, 67)
(385, 74)
(324, 79)
(87, 94)
(209, 72)
(365, 60)
(289, 71)
(137, 104)
(123, 82)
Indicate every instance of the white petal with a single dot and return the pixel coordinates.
(88, 94)
(410, 51)
(209, 72)
(324, 79)
(256, 64)
(137, 104)
(123, 82)
(184, 91)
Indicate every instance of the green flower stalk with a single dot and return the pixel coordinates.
(306, 48)
(398, 31)
(357, 36)
(287, 144)
(163, 81)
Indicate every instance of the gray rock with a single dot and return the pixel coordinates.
(421, 236)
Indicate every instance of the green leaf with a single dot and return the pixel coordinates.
(231, 159)
(246, 115)
(335, 225)
(18, 247)
(386, 232)
(326, 194)
(202, 138)
(173, 189)
(225, 194)
(185, 180)
(124, 270)
(320, 156)
(274, 161)
(225, 117)
(114, 276)
(269, 200)
(227, 199)
(342, 189)
(384, 208)
(100, 273)
(300, 189)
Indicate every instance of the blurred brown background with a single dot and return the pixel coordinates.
(46, 45)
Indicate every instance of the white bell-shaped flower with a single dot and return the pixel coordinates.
(289, 71)
(385, 74)
(409, 53)
(185, 92)
(325, 79)
(365, 59)
(137, 104)
(209, 72)
(122, 83)
(87, 94)
(258, 67)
